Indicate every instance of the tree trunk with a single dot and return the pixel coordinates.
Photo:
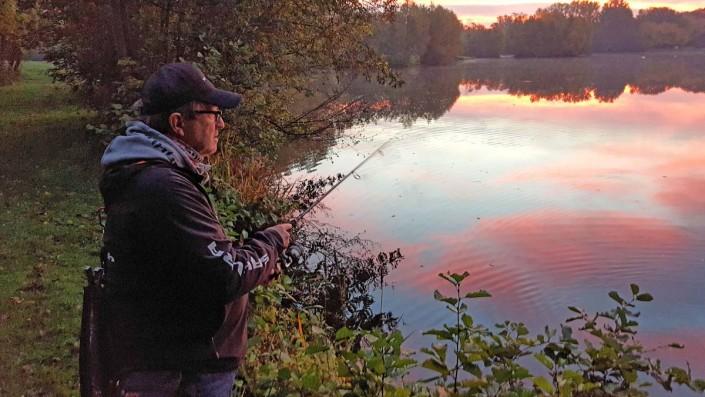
(165, 22)
(3, 52)
(118, 27)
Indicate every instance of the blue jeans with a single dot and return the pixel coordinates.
(176, 384)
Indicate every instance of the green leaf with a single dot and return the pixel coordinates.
(501, 375)
(635, 288)
(313, 349)
(459, 277)
(343, 370)
(573, 376)
(438, 296)
(566, 333)
(311, 381)
(699, 385)
(447, 278)
(630, 376)
(543, 359)
(344, 333)
(473, 369)
(284, 374)
(615, 296)
(474, 383)
(521, 373)
(440, 334)
(644, 297)
(441, 350)
(377, 365)
(679, 375)
(543, 384)
(400, 393)
(467, 320)
(575, 309)
(677, 346)
(436, 366)
(478, 294)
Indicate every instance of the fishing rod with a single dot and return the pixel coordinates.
(300, 217)
(294, 253)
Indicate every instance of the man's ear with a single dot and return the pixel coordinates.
(176, 122)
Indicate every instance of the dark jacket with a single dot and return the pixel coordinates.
(176, 285)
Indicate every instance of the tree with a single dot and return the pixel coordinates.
(558, 30)
(662, 27)
(269, 50)
(444, 43)
(419, 34)
(617, 30)
(481, 42)
(10, 52)
(404, 39)
(697, 21)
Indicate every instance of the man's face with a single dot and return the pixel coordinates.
(201, 131)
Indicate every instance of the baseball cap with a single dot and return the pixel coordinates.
(177, 84)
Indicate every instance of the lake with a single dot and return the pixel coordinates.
(551, 181)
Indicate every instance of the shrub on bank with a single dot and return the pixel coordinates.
(295, 353)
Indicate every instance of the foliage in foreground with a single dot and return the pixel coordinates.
(295, 353)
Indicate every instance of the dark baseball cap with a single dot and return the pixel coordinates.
(177, 84)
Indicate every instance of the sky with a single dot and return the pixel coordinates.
(486, 11)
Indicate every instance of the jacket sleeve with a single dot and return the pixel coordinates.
(210, 264)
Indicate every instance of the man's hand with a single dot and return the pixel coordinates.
(284, 231)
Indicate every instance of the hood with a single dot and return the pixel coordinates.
(143, 143)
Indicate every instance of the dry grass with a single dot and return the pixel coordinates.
(254, 178)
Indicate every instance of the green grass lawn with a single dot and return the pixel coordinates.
(48, 232)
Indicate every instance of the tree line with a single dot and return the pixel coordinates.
(582, 27)
(418, 35)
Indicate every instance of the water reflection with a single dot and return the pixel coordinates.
(428, 93)
(602, 77)
(551, 183)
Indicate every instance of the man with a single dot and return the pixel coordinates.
(176, 287)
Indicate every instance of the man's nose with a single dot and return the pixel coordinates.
(220, 123)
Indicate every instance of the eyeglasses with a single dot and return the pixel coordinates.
(218, 113)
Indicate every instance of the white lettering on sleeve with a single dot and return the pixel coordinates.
(227, 258)
(214, 249)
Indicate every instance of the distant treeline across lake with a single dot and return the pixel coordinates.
(434, 35)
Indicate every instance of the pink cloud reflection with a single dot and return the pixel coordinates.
(674, 112)
(551, 246)
(668, 172)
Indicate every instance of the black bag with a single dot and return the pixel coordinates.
(91, 361)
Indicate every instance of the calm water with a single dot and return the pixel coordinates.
(551, 181)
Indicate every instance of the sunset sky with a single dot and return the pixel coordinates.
(486, 11)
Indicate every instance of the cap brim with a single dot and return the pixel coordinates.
(223, 99)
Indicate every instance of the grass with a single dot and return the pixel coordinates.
(48, 232)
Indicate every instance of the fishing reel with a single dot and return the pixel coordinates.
(293, 256)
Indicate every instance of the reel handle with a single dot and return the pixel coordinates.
(293, 256)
